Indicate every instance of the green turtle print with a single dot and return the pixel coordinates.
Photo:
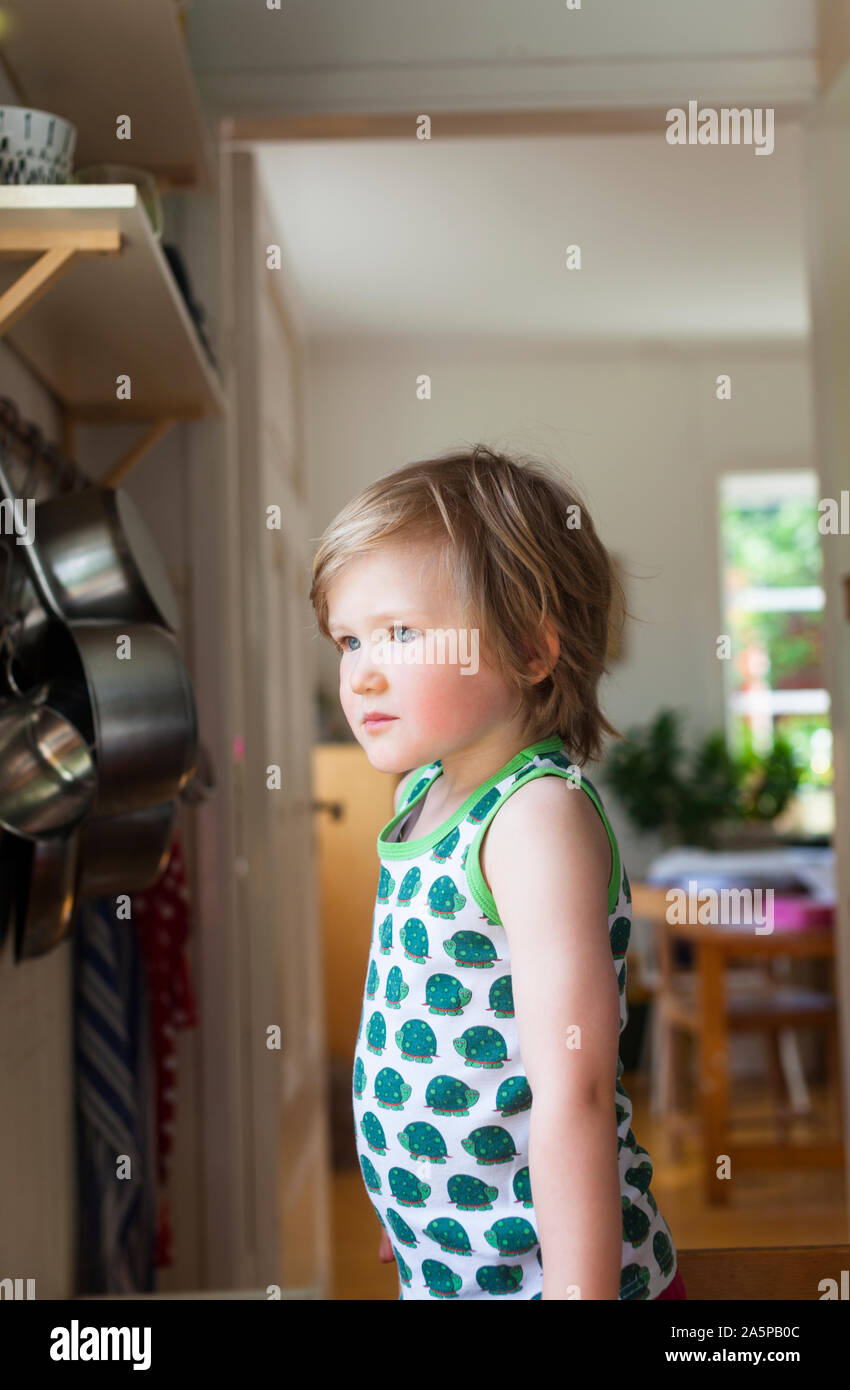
(441, 1101)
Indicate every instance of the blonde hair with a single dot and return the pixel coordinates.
(521, 548)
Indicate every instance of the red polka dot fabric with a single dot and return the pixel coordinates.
(162, 914)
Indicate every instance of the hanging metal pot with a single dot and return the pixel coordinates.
(125, 854)
(47, 772)
(12, 850)
(138, 712)
(98, 561)
(90, 557)
(46, 896)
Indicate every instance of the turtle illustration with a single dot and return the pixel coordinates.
(651, 1200)
(471, 1194)
(513, 1235)
(370, 1176)
(522, 1187)
(619, 935)
(634, 1282)
(448, 1096)
(499, 1279)
(482, 1047)
(621, 1114)
(386, 884)
(626, 885)
(376, 1033)
(391, 1089)
(414, 938)
(621, 978)
(423, 1141)
(359, 1080)
(663, 1252)
(514, 1095)
(449, 1235)
(501, 997)
(373, 1132)
(482, 806)
(410, 885)
(405, 1273)
(373, 979)
(444, 849)
(423, 782)
(444, 994)
(640, 1177)
(416, 1040)
(396, 988)
(443, 899)
(523, 772)
(440, 1280)
(385, 934)
(471, 948)
(635, 1223)
(490, 1144)
(463, 857)
(407, 1189)
(400, 1228)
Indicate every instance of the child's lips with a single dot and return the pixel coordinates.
(377, 721)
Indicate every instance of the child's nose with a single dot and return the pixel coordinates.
(368, 672)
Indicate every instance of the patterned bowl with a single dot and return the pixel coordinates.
(35, 146)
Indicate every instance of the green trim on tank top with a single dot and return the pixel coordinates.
(409, 849)
(478, 888)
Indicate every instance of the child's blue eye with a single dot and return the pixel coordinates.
(396, 628)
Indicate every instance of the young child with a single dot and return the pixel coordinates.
(470, 600)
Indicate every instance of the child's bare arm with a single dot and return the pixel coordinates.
(548, 869)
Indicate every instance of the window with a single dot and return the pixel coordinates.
(773, 603)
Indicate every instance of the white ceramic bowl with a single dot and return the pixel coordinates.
(35, 146)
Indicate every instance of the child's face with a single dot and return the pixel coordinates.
(441, 691)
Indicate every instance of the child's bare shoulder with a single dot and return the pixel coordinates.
(550, 803)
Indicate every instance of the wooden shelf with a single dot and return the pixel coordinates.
(91, 61)
(108, 305)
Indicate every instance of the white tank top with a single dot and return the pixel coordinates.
(440, 1096)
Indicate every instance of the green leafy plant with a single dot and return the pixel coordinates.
(687, 798)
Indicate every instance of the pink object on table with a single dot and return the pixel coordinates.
(799, 913)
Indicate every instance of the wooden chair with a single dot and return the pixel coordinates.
(758, 999)
(775, 1272)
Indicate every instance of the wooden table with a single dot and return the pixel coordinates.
(714, 947)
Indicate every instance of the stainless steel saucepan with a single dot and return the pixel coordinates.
(124, 854)
(46, 896)
(90, 557)
(47, 772)
(138, 711)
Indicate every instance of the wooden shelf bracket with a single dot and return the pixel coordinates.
(56, 251)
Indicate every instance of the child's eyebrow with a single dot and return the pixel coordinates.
(397, 615)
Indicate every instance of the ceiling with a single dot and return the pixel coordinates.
(467, 238)
(375, 56)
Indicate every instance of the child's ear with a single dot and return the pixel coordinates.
(540, 665)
